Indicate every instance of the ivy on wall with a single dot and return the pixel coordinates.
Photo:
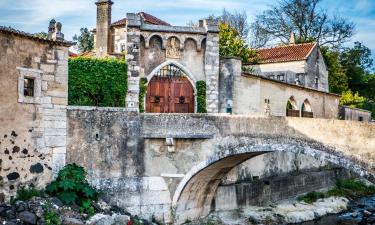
(142, 93)
(97, 82)
(201, 96)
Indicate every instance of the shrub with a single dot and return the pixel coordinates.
(311, 197)
(97, 82)
(142, 92)
(50, 217)
(26, 193)
(201, 97)
(71, 187)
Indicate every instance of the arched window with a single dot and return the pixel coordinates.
(170, 71)
(291, 108)
(306, 110)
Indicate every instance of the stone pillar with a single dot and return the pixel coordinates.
(230, 67)
(103, 25)
(212, 65)
(133, 59)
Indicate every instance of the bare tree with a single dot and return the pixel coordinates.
(238, 21)
(306, 20)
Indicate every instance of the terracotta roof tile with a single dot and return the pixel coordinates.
(149, 19)
(285, 53)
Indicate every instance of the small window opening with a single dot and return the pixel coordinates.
(360, 118)
(28, 89)
(281, 77)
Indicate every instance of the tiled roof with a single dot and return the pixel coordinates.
(285, 53)
(149, 19)
(10, 30)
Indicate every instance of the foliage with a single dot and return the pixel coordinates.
(142, 93)
(346, 188)
(26, 193)
(231, 44)
(135, 220)
(50, 217)
(238, 21)
(201, 97)
(352, 100)
(97, 82)
(311, 197)
(306, 19)
(85, 40)
(337, 79)
(41, 35)
(71, 187)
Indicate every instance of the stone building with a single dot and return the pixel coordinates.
(33, 97)
(348, 113)
(174, 58)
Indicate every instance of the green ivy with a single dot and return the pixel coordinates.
(201, 97)
(72, 188)
(142, 92)
(97, 82)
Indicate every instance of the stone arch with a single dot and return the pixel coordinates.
(306, 106)
(180, 40)
(292, 107)
(202, 44)
(195, 192)
(193, 41)
(150, 37)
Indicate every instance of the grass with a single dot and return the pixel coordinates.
(26, 193)
(344, 188)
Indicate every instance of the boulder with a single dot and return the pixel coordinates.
(101, 219)
(72, 221)
(27, 217)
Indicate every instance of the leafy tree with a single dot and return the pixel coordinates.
(352, 100)
(231, 44)
(338, 81)
(97, 82)
(85, 40)
(306, 20)
(41, 35)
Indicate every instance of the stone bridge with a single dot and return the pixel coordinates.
(170, 165)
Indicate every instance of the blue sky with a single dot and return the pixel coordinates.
(33, 16)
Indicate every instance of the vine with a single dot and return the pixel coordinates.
(201, 97)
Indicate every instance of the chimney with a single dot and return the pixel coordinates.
(292, 40)
(103, 25)
(51, 28)
(54, 31)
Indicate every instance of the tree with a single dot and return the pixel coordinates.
(337, 78)
(352, 100)
(231, 44)
(41, 35)
(238, 21)
(306, 20)
(85, 40)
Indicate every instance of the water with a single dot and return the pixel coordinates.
(361, 212)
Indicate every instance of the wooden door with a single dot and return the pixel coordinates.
(170, 95)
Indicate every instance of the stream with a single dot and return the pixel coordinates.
(361, 212)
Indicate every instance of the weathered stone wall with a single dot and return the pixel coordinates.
(347, 113)
(32, 129)
(103, 23)
(229, 69)
(250, 94)
(129, 154)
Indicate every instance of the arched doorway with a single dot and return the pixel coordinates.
(170, 91)
(291, 108)
(306, 110)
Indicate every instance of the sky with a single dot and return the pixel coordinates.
(33, 16)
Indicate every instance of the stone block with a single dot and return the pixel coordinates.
(58, 162)
(59, 101)
(46, 100)
(48, 77)
(54, 93)
(44, 85)
(154, 184)
(55, 124)
(55, 141)
(48, 68)
(155, 197)
(61, 80)
(59, 150)
(54, 132)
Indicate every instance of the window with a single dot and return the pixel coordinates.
(281, 77)
(28, 87)
(360, 118)
(272, 77)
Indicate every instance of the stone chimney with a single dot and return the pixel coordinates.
(292, 40)
(54, 31)
(103, 25)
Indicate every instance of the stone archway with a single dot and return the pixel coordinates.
(170, 89)
(195, 192)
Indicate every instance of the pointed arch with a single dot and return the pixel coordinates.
(306, 110)
(292, 107)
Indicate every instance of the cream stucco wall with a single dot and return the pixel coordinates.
(250, 93)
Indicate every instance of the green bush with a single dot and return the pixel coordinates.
(311, 197)
(97, 82)
(50, 217)
(201, 97)
(71, 187)
(26, 193)
(142, 93)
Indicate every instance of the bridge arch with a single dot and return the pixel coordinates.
(196, 191)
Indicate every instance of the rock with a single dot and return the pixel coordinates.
(2, 197)
(56, 202)
(366, 213)
(72, 221)
(21, 206)
(10, 214)
(371, 209)
(101, 219)
(27, 217)
(354, 214)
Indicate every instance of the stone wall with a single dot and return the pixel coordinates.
(347, 113)
(33, 129)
